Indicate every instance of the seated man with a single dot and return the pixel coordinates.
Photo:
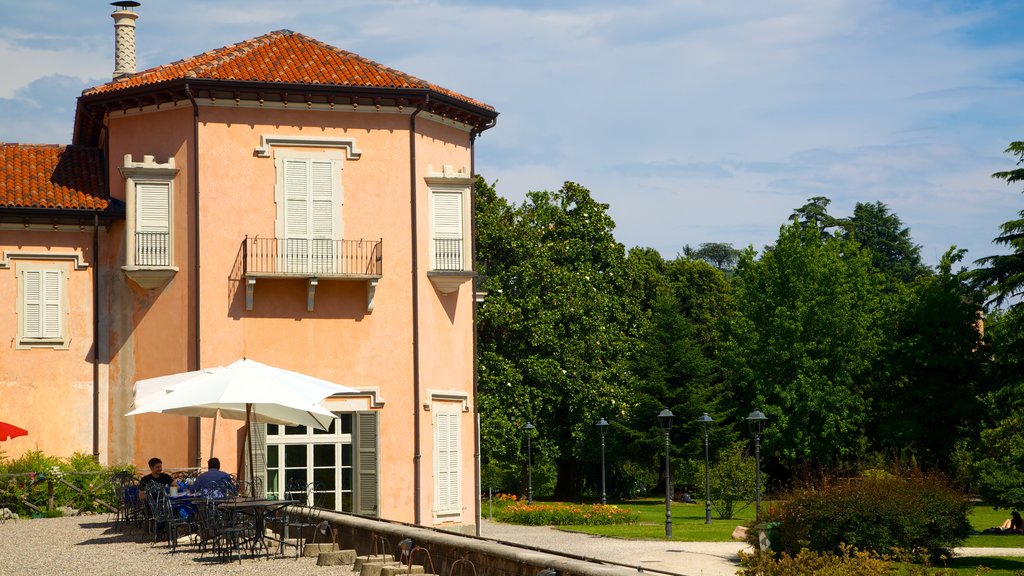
(213, 479)
(156, 475)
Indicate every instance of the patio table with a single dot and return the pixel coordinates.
(258, 509)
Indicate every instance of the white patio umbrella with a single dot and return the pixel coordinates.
(243, 390)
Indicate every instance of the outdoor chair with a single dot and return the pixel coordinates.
(216, 532)
(303, 522)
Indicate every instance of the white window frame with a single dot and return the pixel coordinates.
(337, 160)
(451, 181)
(147, 172)
(437, 233)
(447, 462)
(35, 336)
(338, 439)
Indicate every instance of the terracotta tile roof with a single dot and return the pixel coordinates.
(286, 57)
(52, 176)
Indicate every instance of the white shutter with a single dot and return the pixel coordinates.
(52, 301)
(152, 223)
(42, 304)
(296, 198)
(448, 463)
(447, 223)
(296, 215)
(447, 214)
(321, 186)
(152, 205)
(321, 195)
(32, 303)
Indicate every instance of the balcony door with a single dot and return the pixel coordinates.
(310, 206)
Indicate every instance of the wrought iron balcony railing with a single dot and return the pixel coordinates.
(307, 258)
(448, 254)
(152, 249)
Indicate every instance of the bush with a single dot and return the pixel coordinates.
(848, 562)
(732, 481)
(559, 514)
(918, 515)
(35, 469)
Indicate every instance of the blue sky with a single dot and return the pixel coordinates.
(697, 121)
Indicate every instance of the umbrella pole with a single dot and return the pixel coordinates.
(248, 438)
(213, 433)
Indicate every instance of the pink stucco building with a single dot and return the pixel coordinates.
(278, 199)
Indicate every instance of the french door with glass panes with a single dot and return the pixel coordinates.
(302, 454)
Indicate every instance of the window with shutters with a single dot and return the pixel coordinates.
(42, 306)
(149, 199)
(309, 196)
(447, 481)
(152, 224)
(448, 230)
(342, 460)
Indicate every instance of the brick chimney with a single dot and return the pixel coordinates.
(124, 38)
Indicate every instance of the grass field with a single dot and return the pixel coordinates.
(688, 524)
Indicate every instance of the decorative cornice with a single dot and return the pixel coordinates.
(269, 140)
(75, 257)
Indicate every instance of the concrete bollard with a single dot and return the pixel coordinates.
(336, 558)
(314, 550)
(360, 560)
(374, 568)
(400, 569)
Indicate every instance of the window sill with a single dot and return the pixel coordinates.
(54, 343)
(150, 277)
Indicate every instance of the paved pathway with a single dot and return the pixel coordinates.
(687, 558)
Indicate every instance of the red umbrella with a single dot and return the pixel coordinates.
(8, 431)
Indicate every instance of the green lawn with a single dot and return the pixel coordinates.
(687, 522)
(984, 516)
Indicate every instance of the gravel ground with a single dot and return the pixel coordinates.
(88, 545)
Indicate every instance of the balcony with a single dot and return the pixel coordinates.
(448, 267)
(313, 260)
(150, 263)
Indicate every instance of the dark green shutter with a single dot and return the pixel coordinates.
(367, 490)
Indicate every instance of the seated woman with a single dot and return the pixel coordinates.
(1013, 525)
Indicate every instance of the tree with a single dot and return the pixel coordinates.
(556, 328)
(732, 481)
(935, 354)
(1002, 276)
(721, 255)
(815, 214)
(805, 342)
(882, 233)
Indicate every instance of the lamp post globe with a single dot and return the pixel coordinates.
(756, 420)
(665, 419)
(602, 426)
(706, 420)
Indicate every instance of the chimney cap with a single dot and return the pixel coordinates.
(125, 4)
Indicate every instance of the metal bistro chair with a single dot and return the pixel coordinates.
(307, 515)
(216, 532)
(128, 508)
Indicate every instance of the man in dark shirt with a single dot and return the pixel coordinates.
(156, 474)
(212, 477)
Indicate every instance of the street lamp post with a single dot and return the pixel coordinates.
(529, 428)
(706, 420)
(756, 420)
(665, 419)
(602, 425)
